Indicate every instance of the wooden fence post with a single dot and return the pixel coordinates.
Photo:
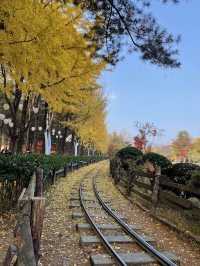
(37, 217)
(23, 233)
(155, 191)
(37, 213)
(39, 182)
(65, 170)
(53, 176)
(11, 256)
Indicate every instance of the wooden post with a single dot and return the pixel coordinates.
(23, 235)
(39, 182)
(155, 192)
(37, 217)
(65, 170)
(53, 176)
(37, 213)
(11, 256)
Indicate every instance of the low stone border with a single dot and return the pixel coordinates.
(186, 234)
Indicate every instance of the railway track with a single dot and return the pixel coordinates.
(124, 243)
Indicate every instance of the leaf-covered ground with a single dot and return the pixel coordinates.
(60, 244)
(7, 223)
(60, 241)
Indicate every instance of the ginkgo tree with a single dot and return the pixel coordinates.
(87, 122)
(44, 58)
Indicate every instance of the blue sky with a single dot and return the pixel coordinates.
(168, 98)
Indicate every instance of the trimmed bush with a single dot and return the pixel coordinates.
(195, 179)
(182, 172)
(124, 162)
(157, 159)
(129, 153)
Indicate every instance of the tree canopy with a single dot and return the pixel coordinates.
(116, 20)
(45, 56)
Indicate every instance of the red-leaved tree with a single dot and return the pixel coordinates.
(147, 133)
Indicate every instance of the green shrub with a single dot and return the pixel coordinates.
(195, 179)
(22, 166)
(182, 172)
(158, 160)
(124, 162)
(129, 153)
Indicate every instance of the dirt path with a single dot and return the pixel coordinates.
(60, 240)
(7, 224)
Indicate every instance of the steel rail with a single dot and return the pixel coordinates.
(162, 259)
(99, 233)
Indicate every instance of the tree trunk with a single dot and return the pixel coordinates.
(13, 143)
(20, 142)
(45, 124)
(65, 134)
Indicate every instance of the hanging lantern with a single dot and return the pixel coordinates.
(68, 138)
(35, 110)
(5, 106)
(57, 136)
(11, 124)
(40, 128)
(32, 128)
(21, 106)
(2, 116)
(6, 121)
(59, 132)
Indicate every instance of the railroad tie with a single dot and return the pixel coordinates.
(87, 199)
(105, 227)
(87, 240)
(74, 204)
(76, 215)
(137, 258)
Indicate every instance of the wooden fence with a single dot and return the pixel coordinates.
(10, 190)
(12, 186)
(31, 205)
(158, 190)
(28, 230)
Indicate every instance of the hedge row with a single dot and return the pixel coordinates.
(16, 170)
(23, 166)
